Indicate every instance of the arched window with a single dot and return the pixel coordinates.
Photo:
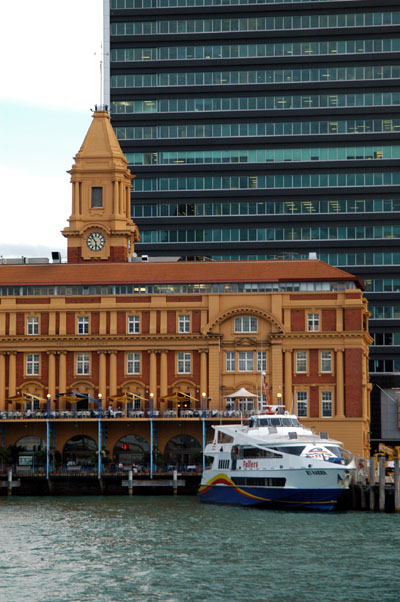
(132, 449)
(182, 450)
(80, 450)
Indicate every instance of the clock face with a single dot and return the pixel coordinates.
(95, 241)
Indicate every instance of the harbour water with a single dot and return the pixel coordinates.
(175, 549)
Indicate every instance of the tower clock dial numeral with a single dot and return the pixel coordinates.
(95, 241)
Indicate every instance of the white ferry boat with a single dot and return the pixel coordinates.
(274, 461)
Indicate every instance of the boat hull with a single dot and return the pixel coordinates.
(288, 498)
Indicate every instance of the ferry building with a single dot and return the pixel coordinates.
(138, 357)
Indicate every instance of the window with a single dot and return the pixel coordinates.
(82, 363)
(97, 197)
(326, 361)
(32, 325)
(32, 363)
(133, 324)
(230, 361)
(261, 361)
(83, 325)
(312, 322)
(301, 397)
(184, 323)
(184, 363)
(246, 361)
(133, 363)
(245, 324)
(301, 361)
(326, 404)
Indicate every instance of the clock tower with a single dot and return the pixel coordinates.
(100, 227)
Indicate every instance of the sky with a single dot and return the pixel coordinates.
(50, 64)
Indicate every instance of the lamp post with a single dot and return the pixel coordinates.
(203, 401)
(279, 396)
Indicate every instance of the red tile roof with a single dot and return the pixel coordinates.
(171, 273)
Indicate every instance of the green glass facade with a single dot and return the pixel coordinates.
(267, 129)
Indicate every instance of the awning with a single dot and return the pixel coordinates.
(127, 397)
(178, 397)
(26, 398)
(242, 392)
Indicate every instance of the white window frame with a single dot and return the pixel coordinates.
(261, 361)
(82, 363)
(326, 404)
(301, 362)
(32, 325)
(230, 361)
(183, 362)
(326, 362)
(133, 363)
(183, 323)
(133, 324)
(82, 325)
(246, 361)
(313, 322)
(32, 364)
(302, 403)
(245, 324)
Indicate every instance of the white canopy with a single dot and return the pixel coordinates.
(242, 392)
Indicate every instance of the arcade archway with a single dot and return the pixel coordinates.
(182, 451)
(131, 449)
(80, 450)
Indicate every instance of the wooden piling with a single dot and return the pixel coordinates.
(175, 481)
(371, 484)
(130, 483)
(396, 485)
(382, 475)
(9, 481)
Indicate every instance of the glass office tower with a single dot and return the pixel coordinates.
(263, 130)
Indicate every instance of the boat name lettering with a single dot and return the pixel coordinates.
(250, 464)
(310, 472)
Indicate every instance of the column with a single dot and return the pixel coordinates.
(121, 198)
(113, 372)
(115, 197)
(2, 381)
(52, 374)
(288, 380)
(62, 376)
(102, 374)
(164, 373)
(214, 375)
(276, 371)
(153, 374)
(203, 372)
(12, 373)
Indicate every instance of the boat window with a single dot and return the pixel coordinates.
(265, 422)
(256, 452)
(259, 482)
(294, 450)
(294, 422)
(334, 450)
(275, 421)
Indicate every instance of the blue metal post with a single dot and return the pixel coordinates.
(203, 424)
(99, 410)
(151, 448)
(47, 446)
(3, 435)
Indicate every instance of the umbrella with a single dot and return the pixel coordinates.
(241, 393)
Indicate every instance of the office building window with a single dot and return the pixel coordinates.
(133, 363)
(302, 403)
(83, 325)
(312, 322)
(97, 197)
(261, 361)
(326, 361)
(183, 363)
(326, 404)
(133, 324)
(246, 361)
(82, 363)
(32, 325)
(245, 324)
(230, 361)
(183, 323)
(32, 364)
(301, 362)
